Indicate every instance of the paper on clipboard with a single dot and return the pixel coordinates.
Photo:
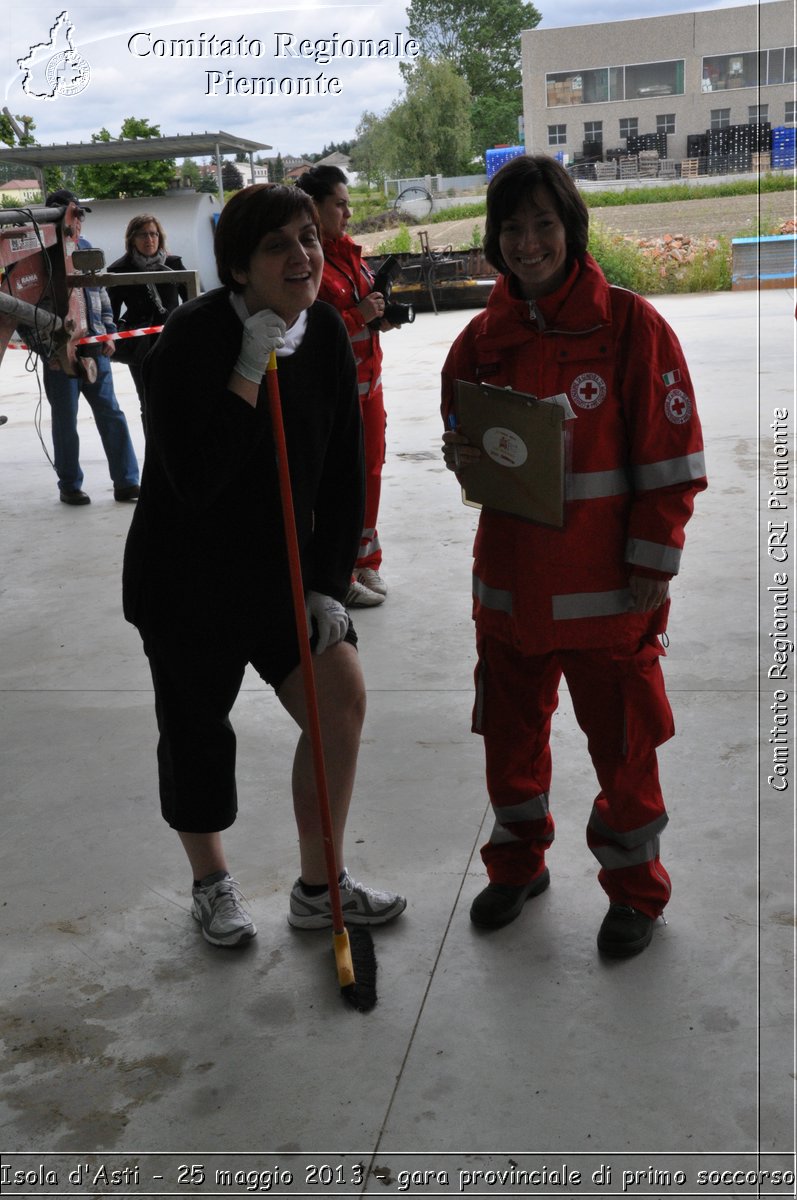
(522, 440)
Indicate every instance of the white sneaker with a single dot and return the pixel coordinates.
(372, 580)
(218, 908)
(361, 906)
(360, 596)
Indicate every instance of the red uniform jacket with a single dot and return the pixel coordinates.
(345, 282)
(634, 462)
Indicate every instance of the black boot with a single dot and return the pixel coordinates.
(625, 931)
(500, 903)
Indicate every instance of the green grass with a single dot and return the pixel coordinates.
(624, 264)
(374, 202)
(682, 191)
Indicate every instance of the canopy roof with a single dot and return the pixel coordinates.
(130, 150)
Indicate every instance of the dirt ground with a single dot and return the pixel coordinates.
(734, 216)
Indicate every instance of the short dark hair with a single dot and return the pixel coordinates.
(321, 181)
(513, 185)
(246, 219)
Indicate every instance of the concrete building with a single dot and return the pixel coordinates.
(596, 92)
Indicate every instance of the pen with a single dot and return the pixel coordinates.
(452, 425)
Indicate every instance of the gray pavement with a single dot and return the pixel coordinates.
(126, 1035)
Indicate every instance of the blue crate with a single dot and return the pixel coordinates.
(500, 155)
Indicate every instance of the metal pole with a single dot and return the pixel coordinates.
(219, 179)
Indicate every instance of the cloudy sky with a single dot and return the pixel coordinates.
(125, 63)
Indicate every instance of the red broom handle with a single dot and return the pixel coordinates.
(306, 655)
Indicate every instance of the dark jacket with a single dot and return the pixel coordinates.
(140, 305)
(206, 553)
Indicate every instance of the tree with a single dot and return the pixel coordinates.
(481, 39)
(190, 173)
(426, 132)
(371, 156)
(278, 169)
(433, 121)
(231, 178)
(111, 179)
(495, 121)
(15, 134)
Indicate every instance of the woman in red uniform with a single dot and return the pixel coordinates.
(589, 600)
(348, 284)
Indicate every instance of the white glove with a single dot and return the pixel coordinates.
(331, 619)
(263, 332)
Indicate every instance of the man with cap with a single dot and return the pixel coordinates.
(64, 391)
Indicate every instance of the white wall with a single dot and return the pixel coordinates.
(187, 220)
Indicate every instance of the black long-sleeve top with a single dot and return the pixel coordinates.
(206, 552)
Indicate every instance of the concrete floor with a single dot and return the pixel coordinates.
(129, 1040)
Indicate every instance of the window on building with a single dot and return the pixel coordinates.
(723, 71)
(593, 131)
(791, 112)
(638, 80)
(770, 68)
(557, 135)
(748, 69)
(720, 118)
(665, 123)
(629, 127)
(577, 87)
(648, 81)
(757, 112)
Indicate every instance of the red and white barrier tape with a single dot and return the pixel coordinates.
(101, 337)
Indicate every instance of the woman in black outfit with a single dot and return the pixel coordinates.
(140, 305)
(206, 577)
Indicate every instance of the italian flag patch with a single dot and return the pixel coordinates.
(672, 377)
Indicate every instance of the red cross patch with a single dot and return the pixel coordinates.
(588, 390)
(677, 407)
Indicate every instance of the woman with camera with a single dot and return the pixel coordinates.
(348, 284)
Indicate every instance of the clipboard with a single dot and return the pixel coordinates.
(522, 440)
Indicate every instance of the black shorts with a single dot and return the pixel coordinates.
(196, 684)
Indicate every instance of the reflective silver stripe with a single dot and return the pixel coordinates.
(501, 836)
(632, 837)
(370, 546)
(364, 388)
(654, 555)
(613, 858)
(593, 485)
(669, 471)
(362, 336)
(590, 604)
(492, 597)
(533, 809)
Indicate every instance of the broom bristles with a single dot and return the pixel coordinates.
(360, 990)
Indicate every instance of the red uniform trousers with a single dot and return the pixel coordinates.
(619, 701)
(372, 406)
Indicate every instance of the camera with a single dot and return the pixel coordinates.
(396, 314)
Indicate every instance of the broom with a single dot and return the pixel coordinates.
(358, 987)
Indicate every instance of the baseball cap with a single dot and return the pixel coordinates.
(62, 198)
